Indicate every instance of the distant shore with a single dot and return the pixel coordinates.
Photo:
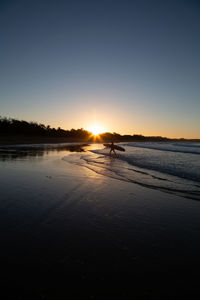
(13, 131)
(21, 139)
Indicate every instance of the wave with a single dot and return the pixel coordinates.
(181, 148)
(158, 164)
(193, 145)
(124, 168)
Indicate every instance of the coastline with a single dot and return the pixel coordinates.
(23, 139)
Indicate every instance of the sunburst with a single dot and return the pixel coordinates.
(96, 129)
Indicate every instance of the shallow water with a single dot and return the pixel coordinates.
(168, 167)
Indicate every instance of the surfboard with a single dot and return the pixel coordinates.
(116, 147)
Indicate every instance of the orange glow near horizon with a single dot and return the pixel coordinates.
(125, 124)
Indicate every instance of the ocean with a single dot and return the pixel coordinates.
(170, 167)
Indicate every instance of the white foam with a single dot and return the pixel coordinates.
(147, 168)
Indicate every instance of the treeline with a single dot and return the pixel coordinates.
(12, 127)
(115, 137)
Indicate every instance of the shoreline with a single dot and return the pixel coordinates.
(21, 139)
(15, 140)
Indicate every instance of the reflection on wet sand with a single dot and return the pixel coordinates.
(27, 151)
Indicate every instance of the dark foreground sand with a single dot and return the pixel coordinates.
(67, 231)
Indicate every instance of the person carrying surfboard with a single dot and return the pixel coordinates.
(112, 148)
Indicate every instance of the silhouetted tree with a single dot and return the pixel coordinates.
(12, 127)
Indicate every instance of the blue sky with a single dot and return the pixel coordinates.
(130, 66)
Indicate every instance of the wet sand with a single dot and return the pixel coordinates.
(68, 231)
(15, 140)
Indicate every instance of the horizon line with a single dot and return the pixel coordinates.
(108, 132)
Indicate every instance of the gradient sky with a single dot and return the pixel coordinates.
(131, 66)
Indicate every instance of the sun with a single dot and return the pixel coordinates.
(96, 129)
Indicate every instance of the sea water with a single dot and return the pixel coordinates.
(170, 167)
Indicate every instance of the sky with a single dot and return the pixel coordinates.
(131, 67)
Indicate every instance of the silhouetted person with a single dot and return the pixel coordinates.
(112, 148)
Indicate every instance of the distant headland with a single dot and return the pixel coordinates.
(13, 131)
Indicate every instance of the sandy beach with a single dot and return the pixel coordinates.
(67, 230)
